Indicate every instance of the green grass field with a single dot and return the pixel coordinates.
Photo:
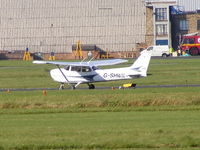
(143, 118)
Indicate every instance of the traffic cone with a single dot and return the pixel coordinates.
(113, 88)
(44, 93)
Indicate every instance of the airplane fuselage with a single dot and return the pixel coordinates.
(100, 75)
(75, 73)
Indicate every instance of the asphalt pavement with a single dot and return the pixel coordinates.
(100, 88)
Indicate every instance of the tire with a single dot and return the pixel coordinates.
(61, 87)
(194, 51)
(164, 55)
(91, 86)
(73, 87)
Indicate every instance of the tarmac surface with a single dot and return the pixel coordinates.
(100, 88)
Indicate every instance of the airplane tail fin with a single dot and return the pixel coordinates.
(142, 62)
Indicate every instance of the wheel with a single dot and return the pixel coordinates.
(73, 87)
(164, 55)
(194, 51)
(91, 86)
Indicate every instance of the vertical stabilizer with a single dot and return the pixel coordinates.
(142, 62)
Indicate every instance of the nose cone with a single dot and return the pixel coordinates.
(56, 75)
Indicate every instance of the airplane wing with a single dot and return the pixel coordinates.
(91, 63)
(106, 62)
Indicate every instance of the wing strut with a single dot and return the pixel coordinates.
(65, 77)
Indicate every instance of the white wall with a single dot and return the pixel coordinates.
(189, 5)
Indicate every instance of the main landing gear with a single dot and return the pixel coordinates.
(61, 87)
(91, 86)
(73, 87)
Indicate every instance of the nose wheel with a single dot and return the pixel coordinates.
(91, 86)
(73, 87)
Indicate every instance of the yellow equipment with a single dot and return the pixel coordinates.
(129, 85)
(27, 55)
(78, 50)
(52, 56)
(106, 56)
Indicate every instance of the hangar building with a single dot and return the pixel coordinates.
(117, 25)
(55, 25)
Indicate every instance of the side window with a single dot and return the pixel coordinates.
(76, 68)
(86, 69)
(73, 68)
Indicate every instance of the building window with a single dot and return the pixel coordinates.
(198, 24)
(161, 14)
(161, 29)
(162, 42)
(183, 25)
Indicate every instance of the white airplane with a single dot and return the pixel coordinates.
(76, 73)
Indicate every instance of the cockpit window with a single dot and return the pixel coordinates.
(81, 68)
(76, 68)
(86, 69)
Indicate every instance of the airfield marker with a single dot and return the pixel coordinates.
(44, 93)
(113, 88)
(8, 91)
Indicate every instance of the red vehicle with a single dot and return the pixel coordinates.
(190, 44)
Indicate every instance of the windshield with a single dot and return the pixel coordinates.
(150, 48)
(188, 41)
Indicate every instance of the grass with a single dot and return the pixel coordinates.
(101, 99)
(146, 118)
(20, 74)
(103, 130)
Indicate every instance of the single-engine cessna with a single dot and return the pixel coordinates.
(76, 73)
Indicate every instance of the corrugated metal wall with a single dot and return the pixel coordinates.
(189, 5)
(54, 25)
